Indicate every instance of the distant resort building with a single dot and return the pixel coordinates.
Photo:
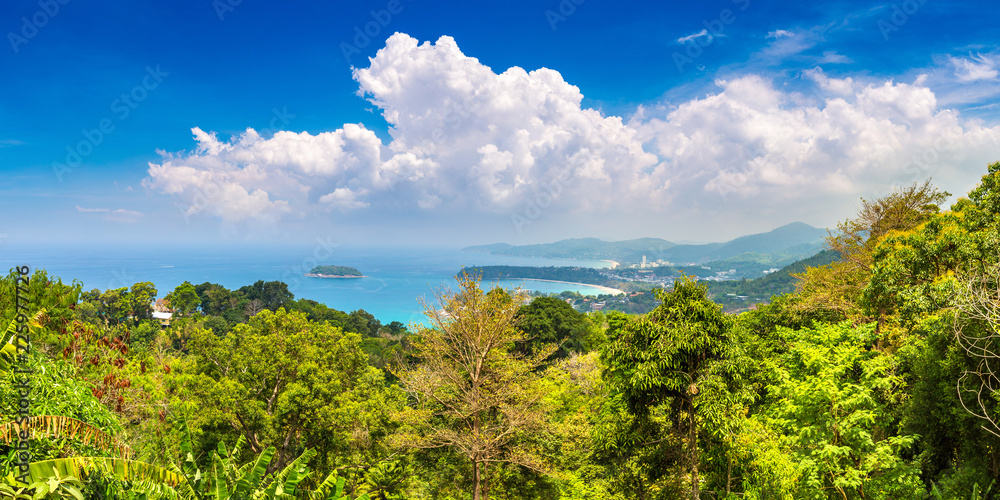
(164, 317)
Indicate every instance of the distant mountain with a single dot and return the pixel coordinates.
(782, 238)
(583, 248)
(792, 241)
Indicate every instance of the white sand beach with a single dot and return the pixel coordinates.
(605, 289)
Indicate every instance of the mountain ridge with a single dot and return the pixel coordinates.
(794, 238)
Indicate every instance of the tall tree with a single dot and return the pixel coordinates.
(838, 286)
(271, 294)
(184, 299)
(549, 320)
(657, 364)
(470, 391)
(142, 296)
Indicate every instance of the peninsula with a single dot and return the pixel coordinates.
(334, 272)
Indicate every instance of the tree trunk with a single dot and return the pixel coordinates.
(476, 485)
(729, 476)
(693, 449)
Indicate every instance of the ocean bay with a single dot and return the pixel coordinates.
(397, 277)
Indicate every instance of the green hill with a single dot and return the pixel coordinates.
(586, 275)
(738, 294)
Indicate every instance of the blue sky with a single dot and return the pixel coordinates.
(464, 123)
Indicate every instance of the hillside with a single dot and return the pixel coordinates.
(586, 275)
(738, 294)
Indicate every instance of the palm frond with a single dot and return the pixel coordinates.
(60, 427)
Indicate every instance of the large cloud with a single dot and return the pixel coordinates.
(465, 138)
(751, 140)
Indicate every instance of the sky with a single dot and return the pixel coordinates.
(411, 122)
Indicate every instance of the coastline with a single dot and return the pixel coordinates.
(606, 289)
(614, 263)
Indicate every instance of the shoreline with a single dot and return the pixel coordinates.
(614, 263)
(608, 289)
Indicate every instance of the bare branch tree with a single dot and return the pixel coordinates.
(977, 329)
(472, 393)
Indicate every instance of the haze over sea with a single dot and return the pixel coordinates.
(397, 277)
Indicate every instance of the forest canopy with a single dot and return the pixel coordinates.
(874, 378)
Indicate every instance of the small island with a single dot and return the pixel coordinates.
(334, 272)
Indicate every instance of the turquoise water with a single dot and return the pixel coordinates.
(396, 277)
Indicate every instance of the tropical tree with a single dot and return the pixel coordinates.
(835, 404)
(281, 380)
(549, 320)
(184, 299)
(657, 368)
(838, 286)
(470, 392)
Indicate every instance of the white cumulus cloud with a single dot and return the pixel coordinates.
(468, 140)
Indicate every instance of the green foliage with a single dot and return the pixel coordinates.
(470, 392)
(741, 294)
(874, 379)
(52, 487)
(587, 275)
(548, 320)
(283, 381)
(835, 406)
(184, 299)
(657, 367)
(43, 293)
(272, 295)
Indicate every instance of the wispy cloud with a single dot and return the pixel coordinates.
(692, 37)
(975, 68)
(10, 142)
(116, 215)
(780, 34)
(832, 57)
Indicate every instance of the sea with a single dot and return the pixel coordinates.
(397, 278)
